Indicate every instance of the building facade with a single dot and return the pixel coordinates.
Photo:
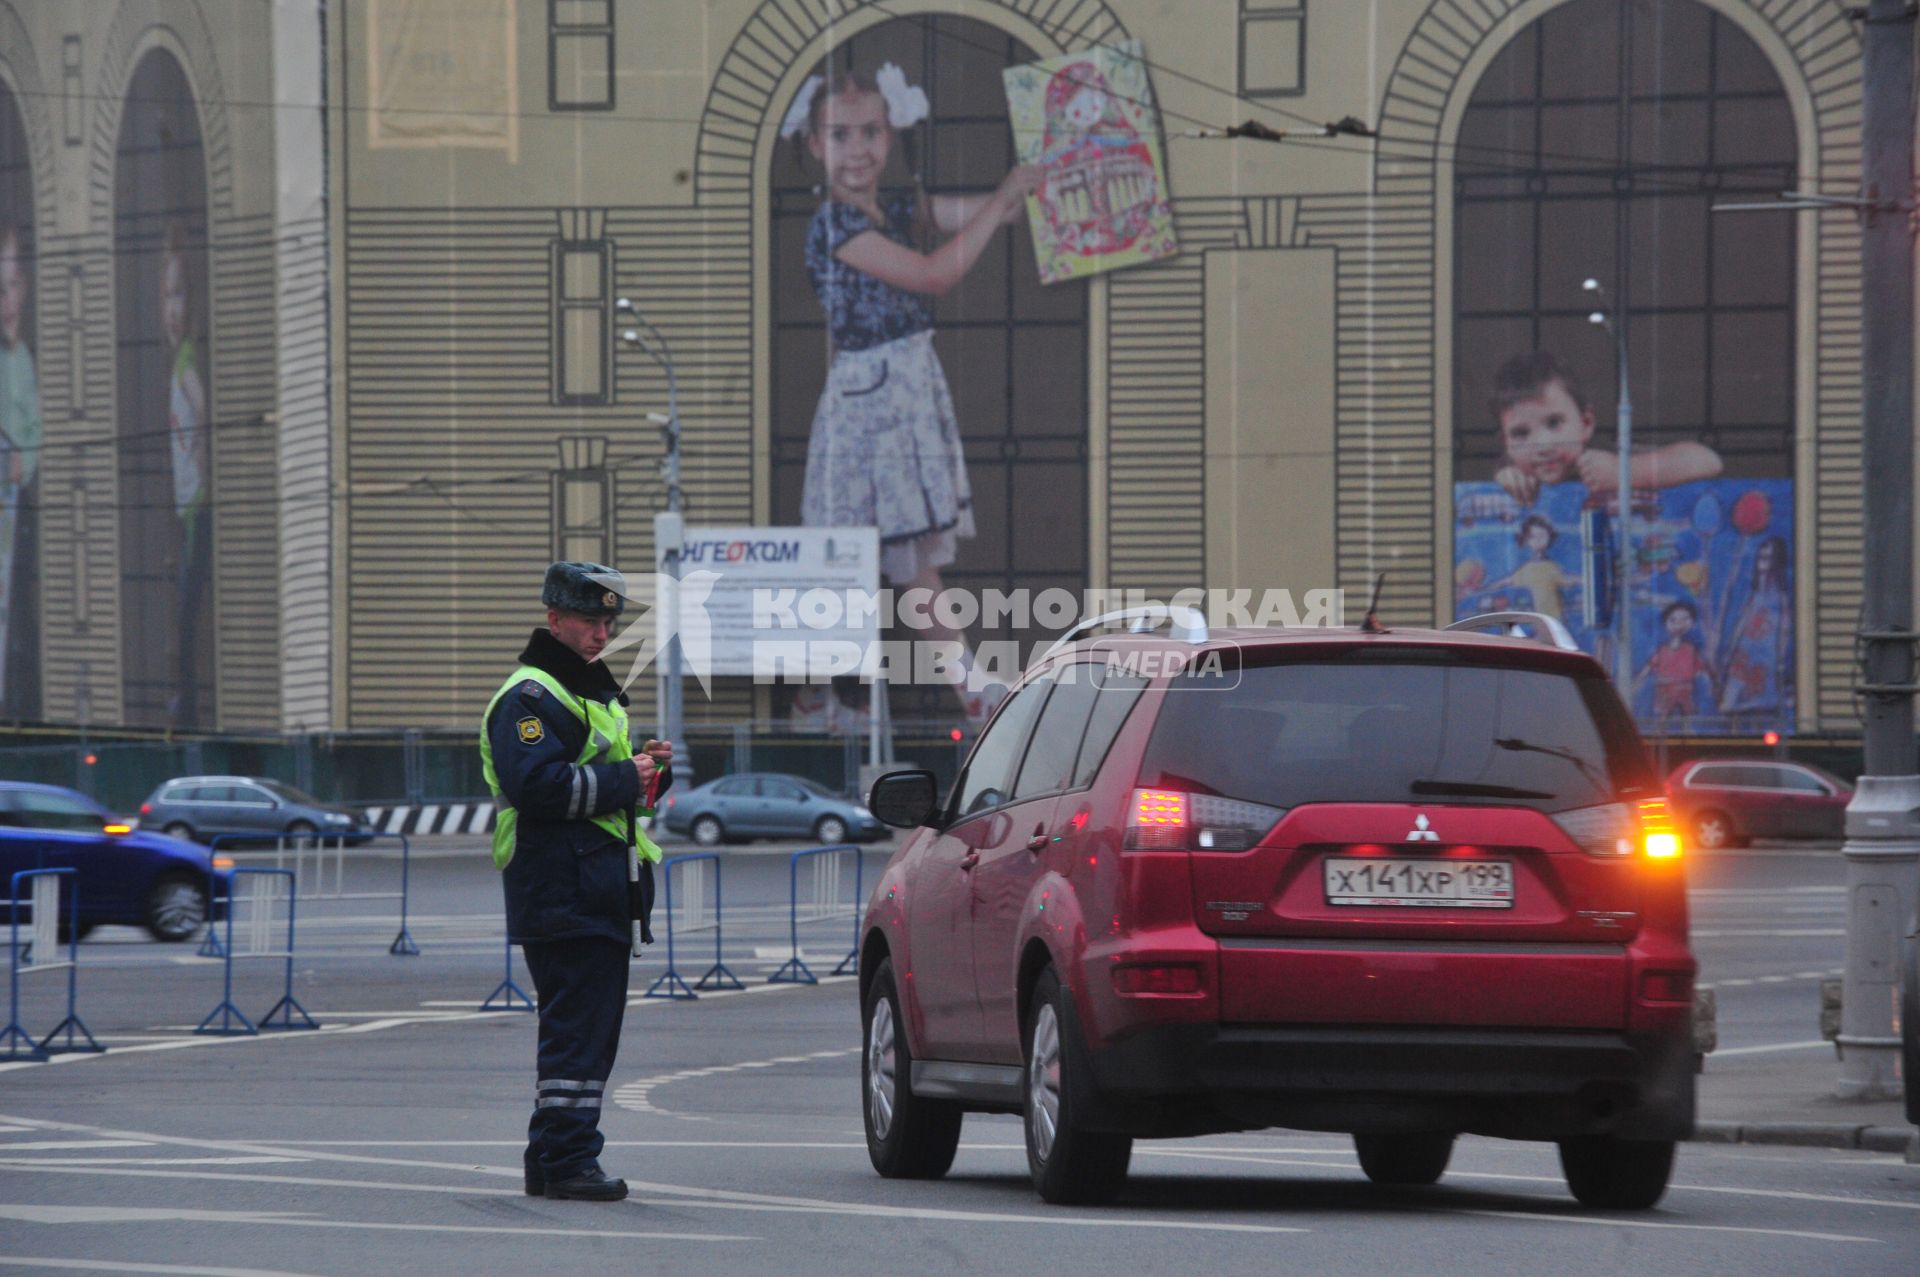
(320, 299)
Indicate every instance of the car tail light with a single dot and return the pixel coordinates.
(146, 809)
(1658, 838)
(1170, 820)
(1615, 829)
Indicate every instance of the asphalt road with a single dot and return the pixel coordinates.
(388, 1140)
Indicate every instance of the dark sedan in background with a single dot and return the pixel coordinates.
(767, 805)
(250, 807)
(1726, 802)
(126, 876)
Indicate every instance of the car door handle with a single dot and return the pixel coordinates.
(969, 860)
(1039, 840)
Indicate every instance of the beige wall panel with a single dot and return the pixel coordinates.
(1270, 421)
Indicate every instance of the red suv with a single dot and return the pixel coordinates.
(1403, 884)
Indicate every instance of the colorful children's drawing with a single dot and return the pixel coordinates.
(1089, 119)
(1710, 598)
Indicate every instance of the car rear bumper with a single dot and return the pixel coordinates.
(1518, 1083)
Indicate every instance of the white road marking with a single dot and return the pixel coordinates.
(115, 1266)
(10, 1160)
(635, 1095)
(305, 1219)
(1605, 1221)
(1758, 1050)
(1770, 933)
(43, 1146)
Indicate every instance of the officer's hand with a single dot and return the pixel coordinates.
(661, 751)
(644, 767)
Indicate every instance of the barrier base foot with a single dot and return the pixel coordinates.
(718, 977)
(286, 1008)
(227, 1013)
(675, 987)
(70, 1026)
(403, 945)
(211, 946)
(849, 965)
(794, 971)
(507, 993)
(13, 1038)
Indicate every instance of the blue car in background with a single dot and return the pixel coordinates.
(126, 876)
(750, 805)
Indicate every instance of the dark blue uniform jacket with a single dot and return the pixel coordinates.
(568, 876)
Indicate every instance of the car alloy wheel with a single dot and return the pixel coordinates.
(831, 829)
(1043, 1083)
(707, 831)
(179, 829)
(880, 1068)
(908, 1137)
(1070, 1165)
(176, 908)
(1712, 831)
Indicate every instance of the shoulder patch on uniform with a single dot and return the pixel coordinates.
(532, 731)
(532, 687)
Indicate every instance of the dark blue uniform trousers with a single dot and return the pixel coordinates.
(582, 987)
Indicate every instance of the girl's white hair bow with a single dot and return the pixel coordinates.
(907, 104)
(800, 114)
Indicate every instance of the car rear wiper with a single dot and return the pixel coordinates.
(1553, 751)
(1474, 789)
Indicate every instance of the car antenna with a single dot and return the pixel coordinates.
(1371, 623)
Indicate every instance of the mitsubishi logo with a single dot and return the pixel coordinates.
(1420, 832)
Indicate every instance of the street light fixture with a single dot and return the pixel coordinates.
(668, 536)
(1622, 593)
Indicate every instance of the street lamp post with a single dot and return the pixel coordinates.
(668, 537)
(1623, 624)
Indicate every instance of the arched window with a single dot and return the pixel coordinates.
(1595, 147)
(1014, 350)
(166, 410)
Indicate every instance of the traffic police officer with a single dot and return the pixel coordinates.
(567, 785)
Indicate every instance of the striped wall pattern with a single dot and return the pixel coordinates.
(453, 437)
(304, 429)
(79, 519)
(1395, 305)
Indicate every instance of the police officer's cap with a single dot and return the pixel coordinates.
(587, 588)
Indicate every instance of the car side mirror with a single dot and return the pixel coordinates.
(904, 800)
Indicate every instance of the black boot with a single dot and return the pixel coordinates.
(536, 1179)
(588, 1186)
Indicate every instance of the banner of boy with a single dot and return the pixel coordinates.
(1586, 235)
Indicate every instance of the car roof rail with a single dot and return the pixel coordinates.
(1547, 629)
(1186, 623)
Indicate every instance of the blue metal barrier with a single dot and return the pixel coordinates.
(47, 931)
(717, 976)
(316, 890)
(507, 991)
(795, 969)
(287, 1007)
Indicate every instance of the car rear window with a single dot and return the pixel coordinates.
(1381, 730)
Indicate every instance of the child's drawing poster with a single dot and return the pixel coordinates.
(1090, 121)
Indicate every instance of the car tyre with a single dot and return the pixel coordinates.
(708, 831)
(176, 908)
(830, 829)
(1713, 830)
(1071, 1166)
(1610, 1173)
(178, 829)
(301, 832)
(1405, 1161)
(908, 1136)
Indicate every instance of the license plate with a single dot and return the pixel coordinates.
(1440, 884)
